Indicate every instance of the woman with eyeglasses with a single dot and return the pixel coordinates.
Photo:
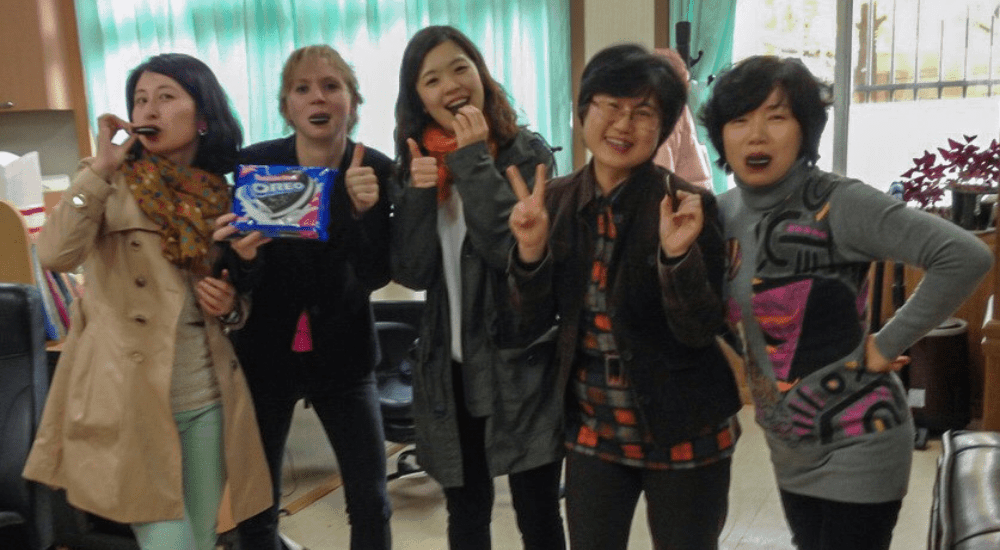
(650, 397)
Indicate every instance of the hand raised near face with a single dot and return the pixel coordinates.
(245, 246)
(361, 183)
(470, 126)
(110, 156)
(680, 225)
(529, 220)
(423, 170)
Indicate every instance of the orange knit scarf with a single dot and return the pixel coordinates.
(439, 144)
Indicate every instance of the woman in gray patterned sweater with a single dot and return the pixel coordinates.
(800, 244)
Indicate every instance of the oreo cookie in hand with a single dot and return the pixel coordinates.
(283, 201)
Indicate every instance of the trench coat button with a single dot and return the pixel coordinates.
(627, 355)
(141, 319)
(79, 200)
(140, 281)
(136, 357)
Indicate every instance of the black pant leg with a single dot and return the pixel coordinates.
(535, 496)
(349, 412)
(274, 400)
(821, 524)
(470, 507)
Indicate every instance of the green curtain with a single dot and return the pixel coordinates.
(245, 42)
(712, 24)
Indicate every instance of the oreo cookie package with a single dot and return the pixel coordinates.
(283, 201)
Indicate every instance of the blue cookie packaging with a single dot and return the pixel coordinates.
(283, 201)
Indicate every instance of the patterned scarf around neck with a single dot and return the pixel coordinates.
(183, 201)
(439, 144)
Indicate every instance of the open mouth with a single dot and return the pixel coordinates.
(758, 161)
(145, 130)
(320, 119)
(456, 105)
(620, 146)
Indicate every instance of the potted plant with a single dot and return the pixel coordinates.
(965, 169)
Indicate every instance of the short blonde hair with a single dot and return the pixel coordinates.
(321, 51)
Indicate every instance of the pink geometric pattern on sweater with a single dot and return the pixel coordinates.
(780, 312)
(853, 419)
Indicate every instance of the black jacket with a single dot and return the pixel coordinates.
(511, 385)
(664, 319)
(331, 280)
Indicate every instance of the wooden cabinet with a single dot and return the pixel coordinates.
(40, 65)
(973, 311)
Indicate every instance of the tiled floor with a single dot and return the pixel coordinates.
(755, 520)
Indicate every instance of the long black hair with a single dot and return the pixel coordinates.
(412, 117)
(218, 147)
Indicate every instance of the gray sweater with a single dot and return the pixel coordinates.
(799, 253)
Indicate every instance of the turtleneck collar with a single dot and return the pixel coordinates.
(768, 196)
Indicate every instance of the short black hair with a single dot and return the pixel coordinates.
(746, 85)
(630, 70)
(218, 148)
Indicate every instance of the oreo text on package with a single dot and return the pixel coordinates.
(283, 201)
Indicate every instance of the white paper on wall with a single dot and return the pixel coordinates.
(21, 185)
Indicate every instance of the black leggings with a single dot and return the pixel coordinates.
(685, 508)
(820, 524)
(534, 494)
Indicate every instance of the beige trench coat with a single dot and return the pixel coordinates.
(108, 434)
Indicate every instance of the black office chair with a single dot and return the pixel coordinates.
(396, 324)
(25, 507)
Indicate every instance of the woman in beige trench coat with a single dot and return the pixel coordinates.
(149, 413)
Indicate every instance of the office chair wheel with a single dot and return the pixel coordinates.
(406, 464)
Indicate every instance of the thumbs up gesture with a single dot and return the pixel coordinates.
(361, 182)
(423, 170)
(681, 220)
(529, 220)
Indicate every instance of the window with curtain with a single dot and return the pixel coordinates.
(526, 44)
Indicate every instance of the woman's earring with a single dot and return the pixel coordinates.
(202, 129)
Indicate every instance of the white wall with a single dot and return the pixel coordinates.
(884, 138)
(51, 133)
(607, 23)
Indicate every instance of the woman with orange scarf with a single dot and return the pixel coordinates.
(149, 415)
(483, 401)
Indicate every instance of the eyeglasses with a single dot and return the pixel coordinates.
(645, 117)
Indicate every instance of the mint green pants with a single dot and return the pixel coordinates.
(204, 475)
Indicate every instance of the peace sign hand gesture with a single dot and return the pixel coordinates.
(680, 224)
(529, 220)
